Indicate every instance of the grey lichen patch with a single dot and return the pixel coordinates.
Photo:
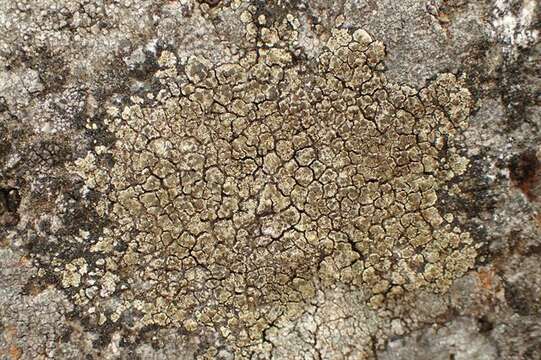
(240, 190)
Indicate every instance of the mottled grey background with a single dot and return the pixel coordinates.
(62, 62)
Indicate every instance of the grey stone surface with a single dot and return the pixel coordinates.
(178, 178)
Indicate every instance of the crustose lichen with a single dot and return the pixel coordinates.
(241, 189)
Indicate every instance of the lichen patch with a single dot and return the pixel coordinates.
(241, 190)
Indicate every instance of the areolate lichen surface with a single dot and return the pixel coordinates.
(245, 191)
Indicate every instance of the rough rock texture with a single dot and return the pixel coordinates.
(354, 179)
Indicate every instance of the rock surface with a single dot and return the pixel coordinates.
(226, 179)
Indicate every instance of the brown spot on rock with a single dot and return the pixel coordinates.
(486, 276)
(9, 204)
(213, 2)
(15, 352)
(525, 172)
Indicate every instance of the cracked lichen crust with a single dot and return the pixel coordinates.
(242, 189)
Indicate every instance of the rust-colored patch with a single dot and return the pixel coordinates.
(24, 261)
(486, 276)
(15, 352)
(525, 172)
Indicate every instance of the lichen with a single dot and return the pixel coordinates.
(239, 190)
